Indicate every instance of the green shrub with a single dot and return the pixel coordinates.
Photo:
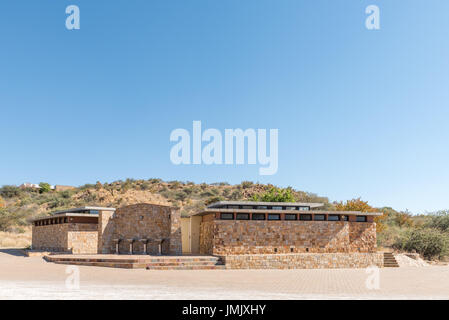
(247, 184)
(429, 242)
(44, 187)
(10, 192)
(275, 195)
(440, 220)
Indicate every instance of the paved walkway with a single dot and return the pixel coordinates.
(33, 278)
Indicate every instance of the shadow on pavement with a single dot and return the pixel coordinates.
(13, 252)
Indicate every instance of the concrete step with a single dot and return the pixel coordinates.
(390, 260)
(152, 263)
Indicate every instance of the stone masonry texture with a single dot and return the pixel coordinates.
(141, 221)
(77, 238)
(303, 260)
(221, 237)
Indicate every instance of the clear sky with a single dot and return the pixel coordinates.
(359, 112)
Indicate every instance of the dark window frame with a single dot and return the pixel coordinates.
(316, 215)
(291, 214)
(242, 213)
(301, 216)
(331, 216)
(258, 214)
(224, 214)
(274, 214)
(365, 218)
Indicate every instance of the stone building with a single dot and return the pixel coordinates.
(135, 229)
(242, 234)
(251, 233)
(73, 230)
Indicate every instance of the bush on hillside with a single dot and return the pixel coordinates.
(440, 220)
(10, 191)
(44, 187)
(429, 242)
(275, 195)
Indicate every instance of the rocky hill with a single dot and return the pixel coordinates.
(19, 205)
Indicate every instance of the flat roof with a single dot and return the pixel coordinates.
(66, 214)
(214, 210)
(83, 209)
(74, 212)
(261, 203)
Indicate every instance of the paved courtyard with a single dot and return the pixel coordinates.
(33, 278)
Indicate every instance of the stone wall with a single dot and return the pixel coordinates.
(303, 261)
(142, 221)
(105, 232)
(78, 238)
(82, 238)
(50, 237)
(270, 237)
(207, 231)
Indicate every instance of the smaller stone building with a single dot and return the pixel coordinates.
(135, 229)
(74, 230)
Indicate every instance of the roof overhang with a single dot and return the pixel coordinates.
(66, 214)
(75, 210)
(260, 203)
(349, 213)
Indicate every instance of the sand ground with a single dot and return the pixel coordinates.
(33, 278)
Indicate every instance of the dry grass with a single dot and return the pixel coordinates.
(15, 240)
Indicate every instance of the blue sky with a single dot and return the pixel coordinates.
(359, 112)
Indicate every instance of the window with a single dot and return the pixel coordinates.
(360, 219)
(274, 217)
(94, 212)
(262, 207)
(258, 216)
(305, 217)
(247, 207)
(276, 208)
(290, 208)
(319, 217)
(345, 218)
(242, 216)
(333, 217)
(303, 208)
(291, 216)
(233, 207)
(227, 216)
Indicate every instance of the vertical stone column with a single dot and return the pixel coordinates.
(105, 231)
(175, 232)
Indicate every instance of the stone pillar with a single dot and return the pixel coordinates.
(105, 232)
(175, 232)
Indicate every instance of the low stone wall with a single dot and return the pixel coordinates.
(303, 261)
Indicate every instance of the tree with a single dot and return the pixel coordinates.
(44, 187)
(403, 219)
(2, 203)
(359, 205)
(275, 195)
